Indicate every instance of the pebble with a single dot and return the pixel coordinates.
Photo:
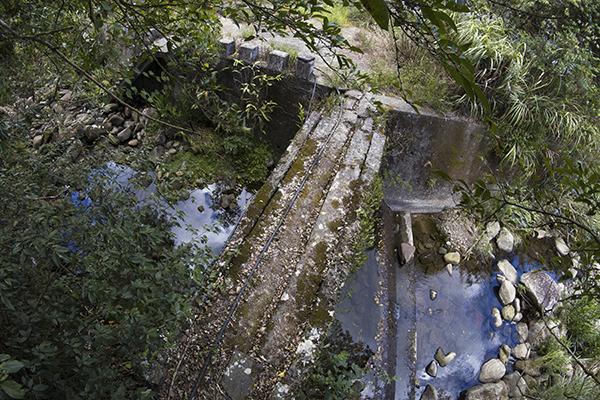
(432, 369)
(133, 142)
(508, 270)
(497, 317)
(561, 247)
(504, 353)
(508, 312)
(522, 331)
(505, 240)
(433, 294)
(124, 135)
(449, 268)
(507, 292)
(452, 258)
(442, 358)
(37, 141)
(492, 229)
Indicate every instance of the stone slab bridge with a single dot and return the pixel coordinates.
(278, 279)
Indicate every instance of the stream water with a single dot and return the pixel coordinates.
(199, 218)
(458, 320)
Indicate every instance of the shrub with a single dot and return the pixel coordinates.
(92, 289)
(581, 319)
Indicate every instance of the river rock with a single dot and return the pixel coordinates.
(505, 240)
(518, 317)
(124, 135)
(433, 295)
(508, 270)
(442, 358)
(561, 246)
(492, 229)
(539, 333)
(516, 385)
(228, 201)
(504, 353)
(529, 367)
(521, 351)
(432, 369)
(429, 394)
(522, 332)
(517, 305)
(116, 120)
(38, 141)
(452, 258)
(497, 317)
(492, 371)
(488, 391)
(110, 107)
(507, 293)
(442, 250)
(508, 312)
(133, 142)
(542, 289)
(89, 134)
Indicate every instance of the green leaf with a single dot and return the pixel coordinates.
(11, 366)
(12, 389)
(379, 11)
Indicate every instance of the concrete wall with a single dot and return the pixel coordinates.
(419, 143)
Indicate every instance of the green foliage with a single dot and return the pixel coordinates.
(368, 218)
(552, 357)
(90, 295)
(544, 95)
(10, 366)
(579, 387)
(337, 370)
(581, 319)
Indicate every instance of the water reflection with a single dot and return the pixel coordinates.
(197, 219)
(458, 320)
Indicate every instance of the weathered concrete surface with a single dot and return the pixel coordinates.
(421, 143)
(282, 269)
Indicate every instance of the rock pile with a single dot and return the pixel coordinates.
(63, 117)
(542, 292)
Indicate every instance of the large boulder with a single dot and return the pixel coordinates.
(492, 371)
(488, 391)
(542, 289)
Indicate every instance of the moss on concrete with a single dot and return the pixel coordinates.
(298, 165)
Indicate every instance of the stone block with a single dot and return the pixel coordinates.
(305, 66)
(227, 46)
(248, 52)
(278, 60)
